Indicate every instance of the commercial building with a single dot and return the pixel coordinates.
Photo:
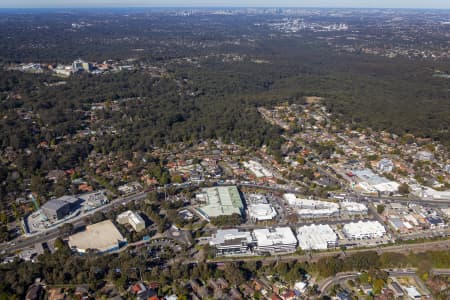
(94, 199)
(306, 208)
(364, 230)
(261, 212)
(133, 219)
(80, 65)
(275, 240)
(101, 237)
(257, 169)
(220, 201)
(430, 193)
(373, 183)
(232, 242)
(57, 209)
(316, 237)
(353, 208)
(385, 165)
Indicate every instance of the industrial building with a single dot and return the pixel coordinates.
(307, 209)
(261, 212)
(232, 242)
(57, 209)
(257, 169)
(429, 193)
(133, 219)
(275, 240)
(101, 237)
(220, 201)
(373, 183)
(364, 230)
(353, 208)
(316, 237)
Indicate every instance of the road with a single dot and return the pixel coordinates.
(24, 242)
(438, 272)
(324, 285)
(52, 233)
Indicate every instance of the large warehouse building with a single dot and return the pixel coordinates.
(364, 230)
(101, 237)
(275, 240)
(57, 209)
(316, 237)
(220, 201)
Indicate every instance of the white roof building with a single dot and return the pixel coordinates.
(353, 208)
(316, 237)
(257, 169)
(261, 212)
(371, 182)
(275, 240)
(306, 208)
(231, 242)
(413, 293)
(364, 230)
(132, 218)
(430, 193)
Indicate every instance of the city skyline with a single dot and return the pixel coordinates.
(433, 4)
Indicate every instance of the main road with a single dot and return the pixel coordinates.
(53, 232)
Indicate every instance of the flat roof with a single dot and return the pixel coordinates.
(60, 202)
(222, 236)
(315, 236)
(101, 236)
(362, 228)
(274, 236)
(305, 207)
(370, 177)
(261, 211)
(222, 200)
(54, 204)
(132, 217)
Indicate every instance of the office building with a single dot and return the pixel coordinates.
(275, 240)
(57, 209)
(232, 242)
(133, 219)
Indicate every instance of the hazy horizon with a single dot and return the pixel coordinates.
(432, 4)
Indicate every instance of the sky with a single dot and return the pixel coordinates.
(209, 3)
